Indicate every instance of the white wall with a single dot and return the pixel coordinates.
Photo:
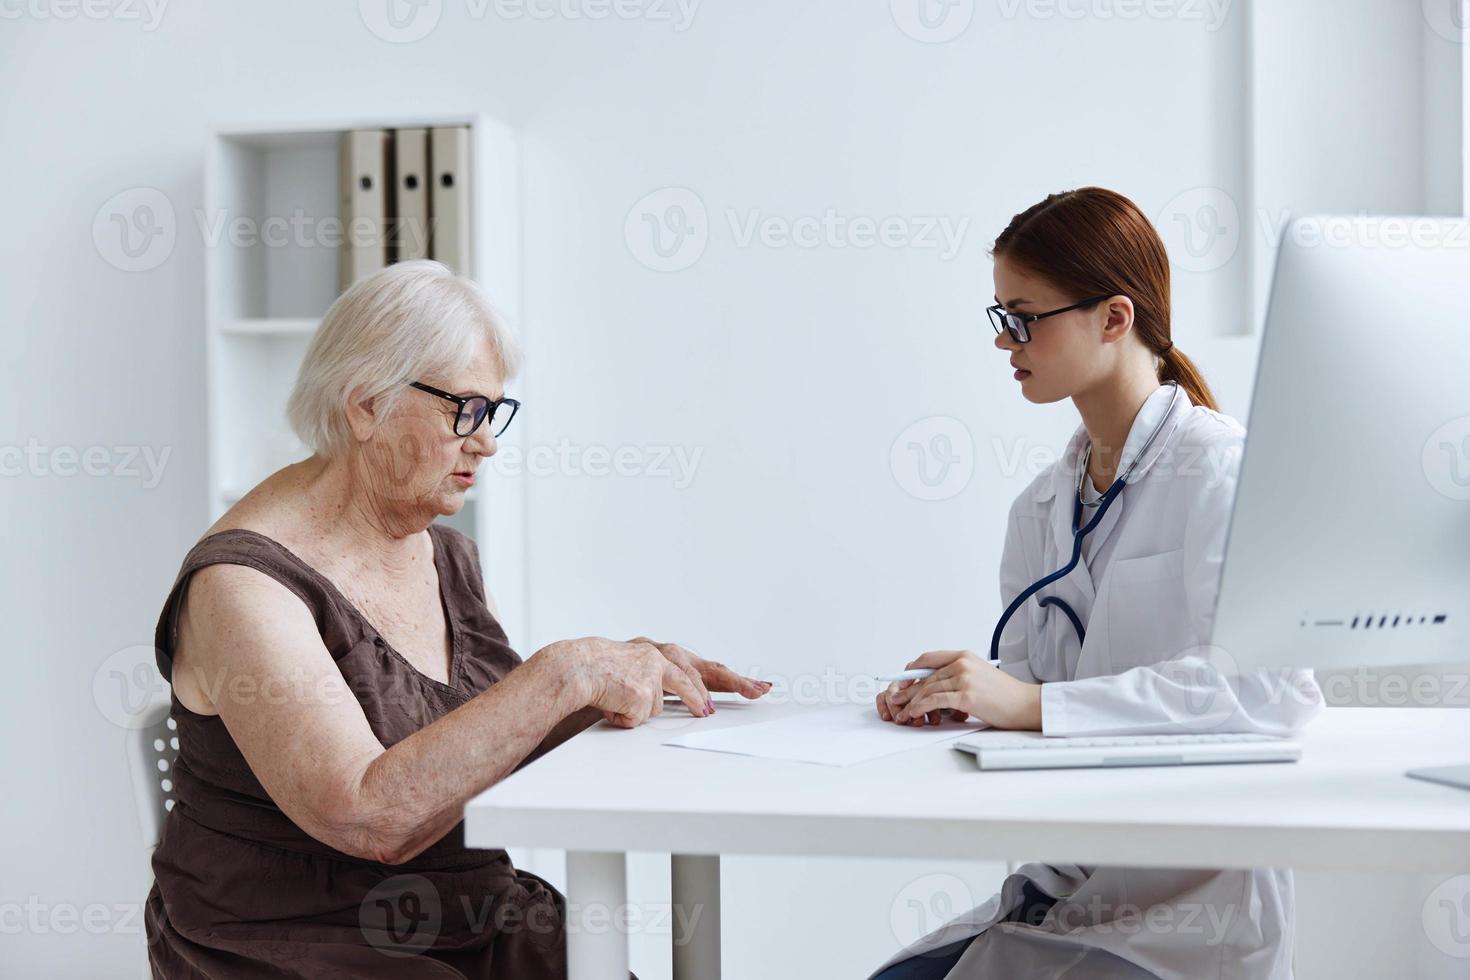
(796, 550)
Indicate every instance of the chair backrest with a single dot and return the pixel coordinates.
(152, 747)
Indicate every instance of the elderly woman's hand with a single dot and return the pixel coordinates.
(708, 675)
(627, 681)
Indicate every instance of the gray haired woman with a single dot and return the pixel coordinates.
(342, 685)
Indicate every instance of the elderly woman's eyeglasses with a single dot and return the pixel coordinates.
(475, 409)
(1019, 324)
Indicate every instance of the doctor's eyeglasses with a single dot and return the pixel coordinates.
(475, 409)
(1018, 325)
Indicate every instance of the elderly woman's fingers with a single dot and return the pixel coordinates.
(686, 660)
(676, 682)
(718, 677)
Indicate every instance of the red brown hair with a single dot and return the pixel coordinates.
(1093, 241)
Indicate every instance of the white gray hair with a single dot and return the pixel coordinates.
(407, 321)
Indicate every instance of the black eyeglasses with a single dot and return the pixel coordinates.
(475, 409)
(1019, 324)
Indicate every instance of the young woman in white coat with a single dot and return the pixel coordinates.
(1082, 293)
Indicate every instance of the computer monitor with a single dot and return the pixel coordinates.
(1349, 543)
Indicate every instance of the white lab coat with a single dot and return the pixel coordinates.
(1147, 598)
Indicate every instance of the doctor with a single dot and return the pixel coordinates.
(1117, 645)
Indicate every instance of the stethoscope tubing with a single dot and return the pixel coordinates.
(1078, 533)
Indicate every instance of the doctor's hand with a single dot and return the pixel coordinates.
(965, 685)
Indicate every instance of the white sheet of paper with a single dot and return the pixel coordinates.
(828, 736)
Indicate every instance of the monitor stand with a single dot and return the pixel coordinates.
(1457, 776)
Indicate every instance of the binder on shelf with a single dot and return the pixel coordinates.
(411, 179)
(366, 191)
(449, 198)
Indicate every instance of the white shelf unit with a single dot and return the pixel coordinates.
(271, 272)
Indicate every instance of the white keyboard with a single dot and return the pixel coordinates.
(1032, 750)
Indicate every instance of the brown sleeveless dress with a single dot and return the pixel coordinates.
(241, 891)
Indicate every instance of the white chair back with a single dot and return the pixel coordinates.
(152, 748)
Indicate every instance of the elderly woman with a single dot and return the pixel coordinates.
(342, 687)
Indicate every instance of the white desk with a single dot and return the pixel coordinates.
(1347, 805)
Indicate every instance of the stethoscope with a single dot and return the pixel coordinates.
(1078, 533)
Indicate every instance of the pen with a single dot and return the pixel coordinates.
(906, 675)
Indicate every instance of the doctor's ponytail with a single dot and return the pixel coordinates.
(1174, 366)
(1093, 241)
